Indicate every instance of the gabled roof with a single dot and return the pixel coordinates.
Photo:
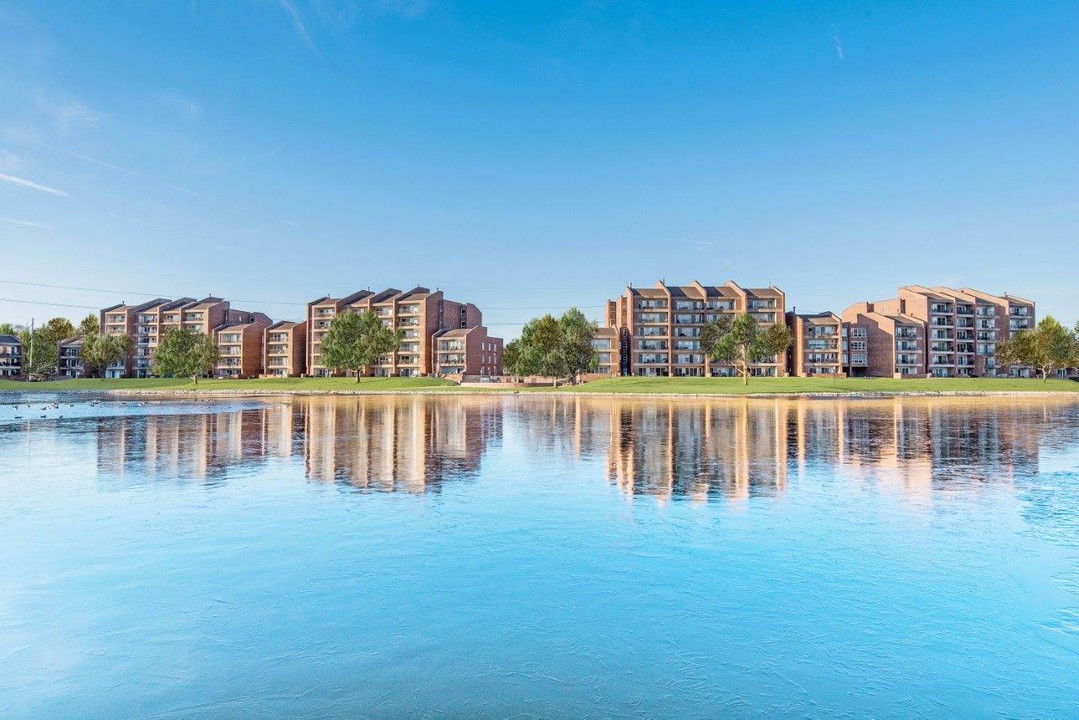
(9, 340)
(205, 303)
(177, 304)
(355, 297)
(285, 325)
(418, 291)
(385, 296)
(825, 315)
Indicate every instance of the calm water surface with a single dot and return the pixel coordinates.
(521, 557)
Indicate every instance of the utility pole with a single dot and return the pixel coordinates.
(31, 363)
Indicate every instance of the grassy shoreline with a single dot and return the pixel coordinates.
(644, 387)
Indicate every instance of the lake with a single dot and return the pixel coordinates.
(507, 556)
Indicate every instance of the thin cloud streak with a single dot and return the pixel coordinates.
(297, 22)
(23, 182)
(25, 223)
(838, 42)
(182, 189)
(291, 223)
(134, 220)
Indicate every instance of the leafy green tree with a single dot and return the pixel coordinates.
(744, 343)
(712, 332)
(356, 340)
(185, 353)
(100, 350)
(1047, 347)
(89, 325)
(44, 341)
(10, 329)
(575, 343)
(553, 347)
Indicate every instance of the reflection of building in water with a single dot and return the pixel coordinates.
(745, 447)
(665, 448)
(191, 445)
(698, 450)
(399, 443)
(384, 443)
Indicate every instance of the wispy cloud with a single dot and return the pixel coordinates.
(24, 223)
(181, 189)
(290, 223)
(69, 114)
(838, 42)
(10, 161)
(23, 182)
(298, 23)
(85, 158)
(407, 8)
(181, 105)
(136, 221)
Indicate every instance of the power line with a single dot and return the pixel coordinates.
(53, 304)
(251, 302)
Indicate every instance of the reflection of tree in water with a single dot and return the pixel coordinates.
(747, 447)
(669, 449)
(378, 443)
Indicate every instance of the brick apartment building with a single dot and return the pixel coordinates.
(608, 349)
(819, 346)
(147, 323)
(659, 327)
(894, 344)
(240, 347)
(69, 358)
(467, 351)
(10, 356)
(940, 332)
(419, 313)
(285, 349)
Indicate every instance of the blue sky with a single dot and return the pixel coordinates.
(529, 156)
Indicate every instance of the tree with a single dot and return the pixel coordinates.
(185, 353)
(100, 350)
(743, 342)
(1047, 347)
(553, 347)
(575, 343)
(712, 332)
(44, 341)
(9, 329)
(89, 325)
(356, 340)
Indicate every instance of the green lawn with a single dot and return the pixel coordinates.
(731, 386)
(810, 385)
(262, 385)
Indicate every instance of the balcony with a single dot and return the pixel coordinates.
(688, 319)
(652, 318)
(652, 358)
